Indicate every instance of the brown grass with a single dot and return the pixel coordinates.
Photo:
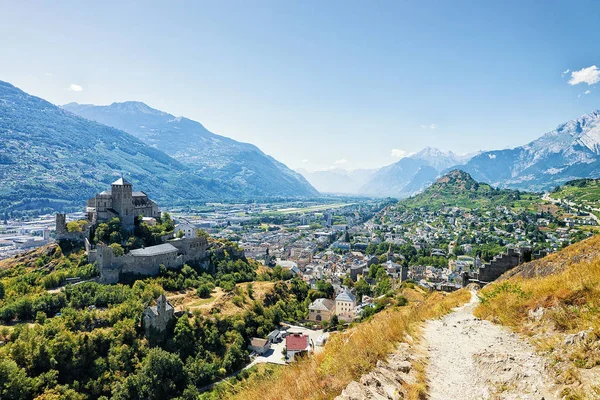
(350, 354)
(567, 287)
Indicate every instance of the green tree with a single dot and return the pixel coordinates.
(161, 375)
(362, 288)
(117, 249)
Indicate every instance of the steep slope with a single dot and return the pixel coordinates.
(411, 174)
(570, 151)
(555, 301)
(338, 180)
(210, 156)
(49, 157)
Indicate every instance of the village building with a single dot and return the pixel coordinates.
(157, 318)
(188, 229)
(296, 344)
(321, 310)
(259, 346)
(345, 306)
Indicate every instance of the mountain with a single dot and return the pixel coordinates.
(458, 189)
(50, 157)
(411, 174)
(569, 152)
(220, 159)
(338, 180)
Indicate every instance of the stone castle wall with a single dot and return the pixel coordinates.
(112, 268)
(63, 234)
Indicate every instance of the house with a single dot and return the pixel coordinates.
(345, 305)
(189, 230)
(157, 318)
(259, 346)
(321, 310)
(296, 343)
(289, 265)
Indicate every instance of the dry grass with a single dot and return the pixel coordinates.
(567, 290)
(570, 298)
(350, 354)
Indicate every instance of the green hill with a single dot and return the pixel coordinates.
(458, 189)
(583, 193)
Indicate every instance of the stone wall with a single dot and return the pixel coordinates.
(113, 269)
(63, 234)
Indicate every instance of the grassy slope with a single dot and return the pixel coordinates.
(583, 192)
(348, 355)
(565, 290)
(458, 189)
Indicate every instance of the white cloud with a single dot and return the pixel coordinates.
(74, 88)
(566, 71)
(304, 161)
(589, 75)
(431, 126)
(587, 92)
(398, 153)
(49, 74)
(342, 161)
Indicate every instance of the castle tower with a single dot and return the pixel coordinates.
(161, 304)
(61, 224)
(122, 202)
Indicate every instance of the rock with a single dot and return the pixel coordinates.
(537, 314)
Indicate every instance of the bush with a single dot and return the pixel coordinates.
(117, 249)
(203, 291)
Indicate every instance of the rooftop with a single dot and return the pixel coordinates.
(296, 342)
(346, 295)
(165, 248)
(121, 182)
(322, 304)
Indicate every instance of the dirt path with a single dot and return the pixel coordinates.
(473, 359)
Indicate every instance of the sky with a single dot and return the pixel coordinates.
(320, 84)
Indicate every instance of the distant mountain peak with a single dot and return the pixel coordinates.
(137, 106)
(240, 166)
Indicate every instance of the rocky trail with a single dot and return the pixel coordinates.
(469, 358)
(466, 359)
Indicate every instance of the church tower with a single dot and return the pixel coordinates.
(122, 203)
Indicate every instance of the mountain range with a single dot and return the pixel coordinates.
(569, 152)
(411, 174)
(243, 166)
(50, 157)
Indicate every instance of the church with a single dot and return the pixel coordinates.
(121, 202)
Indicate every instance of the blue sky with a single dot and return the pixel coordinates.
(319, 84)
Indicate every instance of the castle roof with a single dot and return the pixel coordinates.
(165, 248)
(121, 182)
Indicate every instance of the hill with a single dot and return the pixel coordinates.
(555, 301)
(583, 194)
(224, 161)
(569, 152)
(411, 174)
(50, 157)
(458, 189)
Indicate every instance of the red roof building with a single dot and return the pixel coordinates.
(297, 342)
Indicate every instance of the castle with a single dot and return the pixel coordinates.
(122, 202)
